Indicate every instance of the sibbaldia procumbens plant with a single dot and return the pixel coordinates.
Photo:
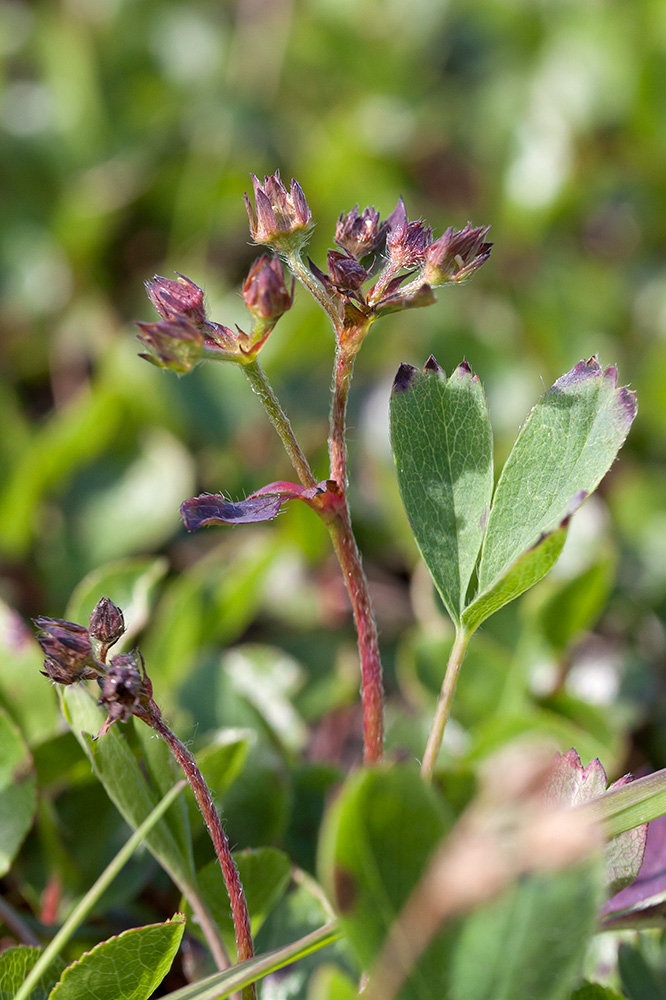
(419, 888)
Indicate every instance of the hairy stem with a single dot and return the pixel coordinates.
(443, 710)
(315, 288)
(337, 445)
(262, 387)
(205, 802)
(346, 549)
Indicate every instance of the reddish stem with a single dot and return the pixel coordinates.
(205, 802)
(346, 549)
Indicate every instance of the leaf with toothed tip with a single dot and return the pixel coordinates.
(199, 512)
(442, 444)
(565, 448)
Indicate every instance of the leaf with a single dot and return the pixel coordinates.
(640, 978)
(16, 963)
(527, 570)
(18, 800)
(137, 509)
(28, 698)
(643, 903)
(130, 583)
(264, 873)
(123, 778)
(564, 449)
(442, 445)
(127, 967)
(594, 991)
(223, 984)
(531, 941)
(202, 511)
(376, 843)
(267, 678)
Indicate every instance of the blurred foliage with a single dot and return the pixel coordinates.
(128, 129)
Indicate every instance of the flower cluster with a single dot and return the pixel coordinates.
(78, 653)
(184, 335)
(282, 219)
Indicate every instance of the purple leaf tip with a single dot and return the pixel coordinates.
(432, 365)
(403, 378)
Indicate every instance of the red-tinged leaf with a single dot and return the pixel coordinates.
(207, 509)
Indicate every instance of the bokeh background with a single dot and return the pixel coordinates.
(128, 131)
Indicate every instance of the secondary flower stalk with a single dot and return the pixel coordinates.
(76, 652)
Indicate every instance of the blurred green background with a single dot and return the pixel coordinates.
(128, 131)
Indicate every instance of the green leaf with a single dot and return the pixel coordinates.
(376, 843)
(130, 583)
(627, 806)
(641, 979)
(127, 967)
(594, 991)
(527, 570)
(442, 445)
(16, 963)
(331, 983)
(564, 449)
(264, 873)
(117, 767)
(27, 696)
(18, 800)
(530, 942)
(223, 984)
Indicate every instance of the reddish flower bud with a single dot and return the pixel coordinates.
(282, 218)
(177, 298)
(106, 622)
(346, 274)
(360, 234)
(456, 255)
(406, 242)
(172, 343)
(265, 293)
(68, 651)
(126, 689)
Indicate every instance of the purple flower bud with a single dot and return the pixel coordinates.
(282, 218)
(265, 293)
(172, 343)
(106, 622)
(346, 274)
(359, 234)
(406, 242)
(68, 651)
(126, 689)
(456, 255)
(177, 298)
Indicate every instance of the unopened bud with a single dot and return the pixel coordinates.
(359, 234)
(106, 622)
(172, 343)
(68, 651)
(177, 298)
(456, 255)
(126, 690)
(346, 274)
(282, 218)
(406, 242)
(265, 293)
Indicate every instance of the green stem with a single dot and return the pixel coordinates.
(443, 710)
(330, 306)
(262, 387)
(337, 444)
(81, 910)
